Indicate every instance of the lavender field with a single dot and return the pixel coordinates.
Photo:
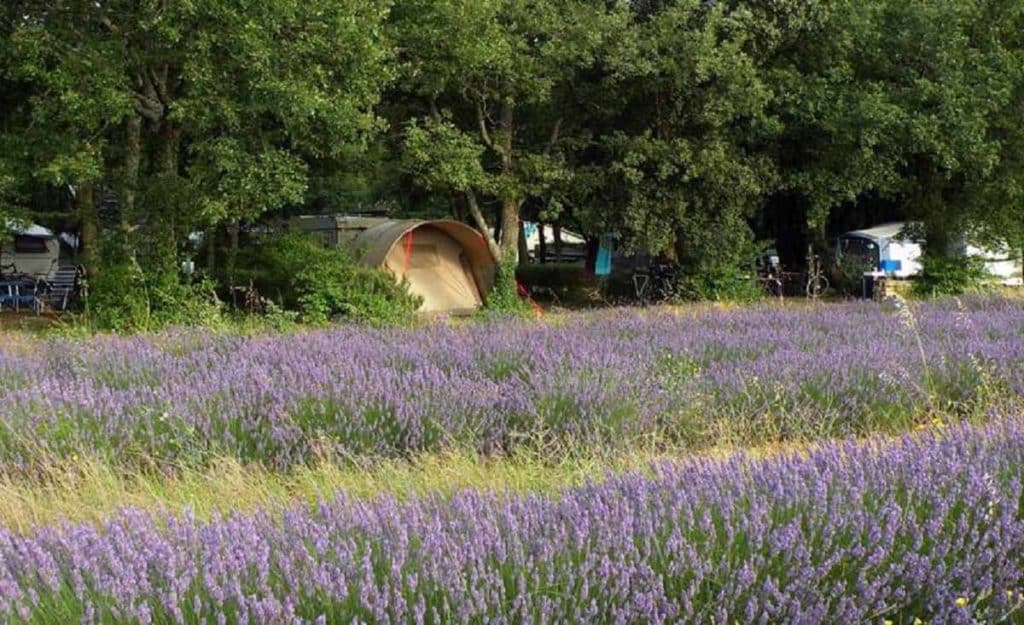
(613, 378)
(924, 529)
(897, 499)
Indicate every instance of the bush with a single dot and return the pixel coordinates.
(123, 298)
(722, 282)
(322, 283)
(848, 276)
(953, 275)
(504, 297)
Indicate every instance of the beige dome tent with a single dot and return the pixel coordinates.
(447, 263)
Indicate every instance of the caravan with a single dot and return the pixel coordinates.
(32, 251)
(890, 249)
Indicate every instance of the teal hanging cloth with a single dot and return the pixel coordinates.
(603, 263)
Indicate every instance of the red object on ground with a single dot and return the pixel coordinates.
(524, 293)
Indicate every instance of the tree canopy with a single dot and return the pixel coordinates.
(675, 125)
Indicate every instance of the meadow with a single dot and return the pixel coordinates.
(767, 464)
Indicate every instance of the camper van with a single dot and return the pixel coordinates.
(33, 251)
(890, 249)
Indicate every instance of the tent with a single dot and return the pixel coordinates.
(30, 249)
(890, 248)
(447, 263)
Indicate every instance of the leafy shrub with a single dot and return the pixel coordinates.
(722, 276)
(847, 277)
(504, 297)
(323, 283)
(719, 282)
(122, 298)
(953, 275)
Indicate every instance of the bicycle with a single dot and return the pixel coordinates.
(771, 285)
(655, 284)
(815, 282)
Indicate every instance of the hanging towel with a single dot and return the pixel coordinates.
(603, 263)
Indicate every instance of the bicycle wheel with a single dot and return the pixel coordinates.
(816, 285)
(641, 287)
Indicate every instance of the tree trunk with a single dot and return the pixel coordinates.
(542, 244)
(210, 238)
(232, 257)
(89, 233)
(939, 228)
(556, 232)
(164, 218)
(129, 182)
(509, 203)
(510, 227)
(523, 249)
(481, 224)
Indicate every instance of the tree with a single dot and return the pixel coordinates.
(272, 88)
(914, 100)
(63, 84)
(483, 75)
(674, 164)
(193, 113)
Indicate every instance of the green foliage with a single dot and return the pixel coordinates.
(122, 298)
(716, 259)
(720, 282)
(504, 297)
(916, 101)
(951, 275)
(323, 284)
(483, 82)
(664, 122)
(673, 170)
(847, 277)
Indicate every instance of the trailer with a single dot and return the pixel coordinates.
(30, 250)
(891, 249)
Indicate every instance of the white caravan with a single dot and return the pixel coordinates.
(33, 251)
(890, 249)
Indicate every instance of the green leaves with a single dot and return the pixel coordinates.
(237, 181)
(441, 156)
(902, 98)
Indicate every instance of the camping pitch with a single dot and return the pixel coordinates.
(445, 262)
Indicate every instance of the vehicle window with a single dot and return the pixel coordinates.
(858, 250)
(29, 245)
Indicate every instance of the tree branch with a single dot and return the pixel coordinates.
(555, 132)
(148, 107)
(482, 122)
(159, 85)
(434, 112)
(481, 224)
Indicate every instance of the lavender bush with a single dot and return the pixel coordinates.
(609, 378)
(925, 529)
